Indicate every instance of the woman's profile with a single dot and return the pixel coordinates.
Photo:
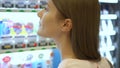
(74, 26)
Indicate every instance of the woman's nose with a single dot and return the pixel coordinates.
(40, 13)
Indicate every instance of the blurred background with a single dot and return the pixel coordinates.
(21, 47)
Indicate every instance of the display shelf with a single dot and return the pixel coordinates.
(27, 49)
(108, 16)
(18, 10)
(108, 1)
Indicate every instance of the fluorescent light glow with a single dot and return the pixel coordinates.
(109, 16)
(109, 1)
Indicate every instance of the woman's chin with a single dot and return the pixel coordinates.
(41, 34)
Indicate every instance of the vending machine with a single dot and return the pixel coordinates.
(20, 46)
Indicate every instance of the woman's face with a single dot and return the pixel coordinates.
(49, 25)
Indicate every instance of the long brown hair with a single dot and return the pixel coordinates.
(85, 15)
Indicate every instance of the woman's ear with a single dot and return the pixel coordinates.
(67, 25)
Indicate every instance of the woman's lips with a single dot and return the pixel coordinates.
(40, 23)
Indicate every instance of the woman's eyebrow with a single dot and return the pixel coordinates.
(48, 4)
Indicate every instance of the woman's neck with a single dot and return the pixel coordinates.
(64, 45)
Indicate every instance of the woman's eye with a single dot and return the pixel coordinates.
(46, 9)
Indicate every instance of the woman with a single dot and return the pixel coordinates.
(74, 26)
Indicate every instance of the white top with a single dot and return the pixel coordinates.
(75, 63)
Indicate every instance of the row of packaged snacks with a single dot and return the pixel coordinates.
(36, 4)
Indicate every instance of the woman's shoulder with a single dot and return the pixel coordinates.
(105, 63)
(76, 63)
